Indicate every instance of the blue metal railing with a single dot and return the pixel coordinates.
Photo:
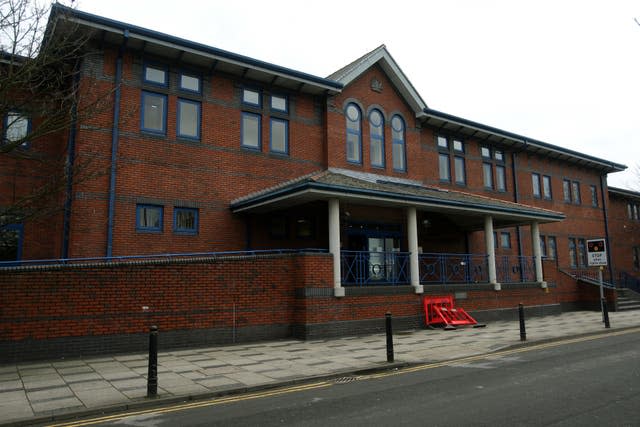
(589, 276)
(514, 269)
(453, 268)
(151, 257)
(374, 268)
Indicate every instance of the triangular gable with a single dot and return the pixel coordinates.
(383, 58)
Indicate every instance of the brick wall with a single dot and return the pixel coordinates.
(68, 310)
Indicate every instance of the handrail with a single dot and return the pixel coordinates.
(588, 276)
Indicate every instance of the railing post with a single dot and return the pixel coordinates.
(390, 357)
(152, 374)
(523, 330)
(605, 312)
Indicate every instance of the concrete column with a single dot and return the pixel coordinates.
(491, 251)
(334, 245)
(414, 263)
(537, 257)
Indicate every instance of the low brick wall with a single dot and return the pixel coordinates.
(72, 310)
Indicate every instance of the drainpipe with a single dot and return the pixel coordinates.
(71, 157)
(115, 137)
(516, 199)
(603, 179)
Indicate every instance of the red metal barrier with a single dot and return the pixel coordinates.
(439, 310)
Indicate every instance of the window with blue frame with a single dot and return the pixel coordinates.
(573, 260)
(505, 240)
(459, 170)
(354, 134)
(376, 133)
(546, 187)
(398, 138)
(250, 130)
(16, 128)
(501, 178)
(575, 192)
(279, 103)
(487, 175)
(279, 136)
(11, 236)
(251, 97)
(190, 83)
(188, 116)
(594, 196)
(535, 181)
(185, 220)
(156, 75)
(443, 165)
(149, 218)
(154, 112)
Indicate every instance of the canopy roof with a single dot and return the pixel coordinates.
(465, 209)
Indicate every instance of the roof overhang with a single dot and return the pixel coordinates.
(624, 192)
(474, 212)
(205, 57)
(467, 128)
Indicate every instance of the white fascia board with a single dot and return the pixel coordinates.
(395, 201)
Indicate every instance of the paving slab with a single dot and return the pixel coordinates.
(101, 397)
(29, 390)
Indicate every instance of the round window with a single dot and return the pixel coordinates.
(397, 124)
(375, 118)
(353, 113)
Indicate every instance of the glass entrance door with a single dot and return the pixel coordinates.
(382, 265)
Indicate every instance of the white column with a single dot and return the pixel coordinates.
(414, 264)
(334, 245)
(537, 258)
(491, 252)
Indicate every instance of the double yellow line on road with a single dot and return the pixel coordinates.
(323, 384)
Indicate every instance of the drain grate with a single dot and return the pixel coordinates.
(345, 380)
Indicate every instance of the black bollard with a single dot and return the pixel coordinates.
(605, 313)
(152, 377)
(389, 337)
(523, 331)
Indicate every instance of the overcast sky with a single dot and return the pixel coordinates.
(564, 72)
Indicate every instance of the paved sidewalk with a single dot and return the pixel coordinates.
(32, 391)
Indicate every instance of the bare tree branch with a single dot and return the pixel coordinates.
(39, 103)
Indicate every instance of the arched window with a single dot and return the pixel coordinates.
(398, 136)
(376, 130)
(354, 134)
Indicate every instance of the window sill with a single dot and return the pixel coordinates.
(153, 133)
(145, 231)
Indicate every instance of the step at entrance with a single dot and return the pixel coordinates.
(627, 300)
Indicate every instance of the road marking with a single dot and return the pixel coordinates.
(185, 406)
(534, 347)
(324, 384)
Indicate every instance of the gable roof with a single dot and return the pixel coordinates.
(383, 58)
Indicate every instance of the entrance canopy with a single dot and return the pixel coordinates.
(464, 209)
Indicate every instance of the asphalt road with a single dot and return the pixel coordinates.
(591, 382)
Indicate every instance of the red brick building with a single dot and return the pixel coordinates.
(361, 196)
